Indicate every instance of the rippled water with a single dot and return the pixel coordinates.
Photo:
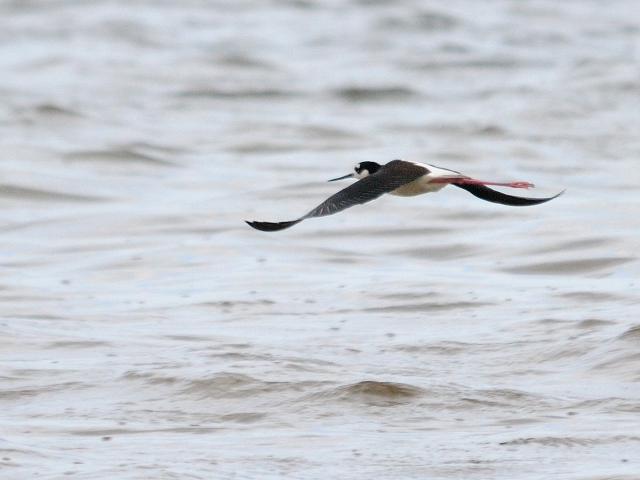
(149, 333)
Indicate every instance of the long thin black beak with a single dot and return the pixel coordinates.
(342, 178)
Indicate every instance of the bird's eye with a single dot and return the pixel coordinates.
(358, 169)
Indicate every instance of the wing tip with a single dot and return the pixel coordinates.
(271, 226)
(485, 193)
(544, 200)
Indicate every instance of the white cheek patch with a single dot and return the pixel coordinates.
(360, 174)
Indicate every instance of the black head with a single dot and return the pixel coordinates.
(363, 169)
(366, 168)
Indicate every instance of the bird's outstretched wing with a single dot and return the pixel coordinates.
(485, 193)
(391, 176)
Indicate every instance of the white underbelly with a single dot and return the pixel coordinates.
(418, 187)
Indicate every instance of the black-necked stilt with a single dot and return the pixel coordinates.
(400, 177)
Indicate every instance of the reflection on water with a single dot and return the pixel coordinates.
(428, 337)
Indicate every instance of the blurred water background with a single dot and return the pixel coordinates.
(148, 333)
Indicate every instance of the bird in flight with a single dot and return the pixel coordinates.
(406, 179)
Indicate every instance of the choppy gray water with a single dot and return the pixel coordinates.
(148, 333)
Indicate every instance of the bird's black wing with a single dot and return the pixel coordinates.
(391, 176)
(485, 193)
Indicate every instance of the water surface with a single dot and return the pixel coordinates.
(149, 333)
